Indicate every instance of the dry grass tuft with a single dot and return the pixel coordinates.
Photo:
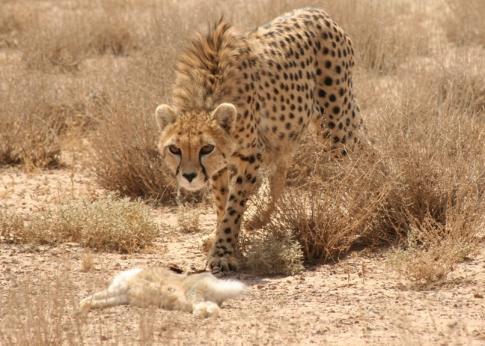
(61, 45)
(272, 253)
(37, 116)
(10, 223)
(30, 141)
(108, 224)
(188, 219)
(125, 142)
(12, 22)
(57, 45)
(433, 249)
(40, 314)
(29, 130)
(127, 159)
(382, 32)
(87, 262)
(43, 310)
(341, 205)
(424, 178)
(112, 35)
(8, 23)
(464, 23)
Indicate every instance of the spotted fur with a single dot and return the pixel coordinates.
(241, 101)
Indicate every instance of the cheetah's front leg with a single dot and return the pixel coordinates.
(277, 181)
(219, 185)
(224, 252)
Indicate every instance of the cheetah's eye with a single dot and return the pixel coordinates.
(206, 149)
(174, 150)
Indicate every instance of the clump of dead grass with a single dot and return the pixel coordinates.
(62, 44)
(383, 32)
(432, 249)
(127, 158)
(37, 116)
(29, 130)
(339, 205)
(54, 46)
(464, 23)
(125, 142)
(8, 23)
(272, 253)
(421, 185)
(29, 140)
(87, 262)
(113, 36)
(13, 20)
(43, 309)
(188, 219)
(40, 313)
(441, 168)
(107, 224)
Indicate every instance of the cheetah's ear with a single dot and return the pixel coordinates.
(165, 115)
(225, 115)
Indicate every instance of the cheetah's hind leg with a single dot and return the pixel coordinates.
(277, 181)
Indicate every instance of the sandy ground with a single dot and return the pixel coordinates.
(360, 300)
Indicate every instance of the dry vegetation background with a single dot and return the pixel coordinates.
(79, 81)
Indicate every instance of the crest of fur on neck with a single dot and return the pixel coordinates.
(205, 69)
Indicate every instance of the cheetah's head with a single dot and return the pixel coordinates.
(195, 145)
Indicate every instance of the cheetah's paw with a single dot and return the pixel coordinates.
(222, 265)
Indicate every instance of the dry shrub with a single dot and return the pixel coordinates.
(87, 262)
(8, 27)
(424, 175)
(383, 32)
(62, 43)
(10, 223)
(40, 314)
(442, 171)
(339, 205)
(462, 84)
(272, 253)
(464, 24)
(125, 143)
(188, 219)
(37, 115)
(29, 130)
(108, 224)
(58, 45)
(29, 140)
(126, 155)
(13, 20)
(432, 249)
(8, 23)
(42, 309)
(112, 35)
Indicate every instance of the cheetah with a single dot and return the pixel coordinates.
(199, 293)
(242, 102)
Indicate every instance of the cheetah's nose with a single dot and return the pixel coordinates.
(190, 176)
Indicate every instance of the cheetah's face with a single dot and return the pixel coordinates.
(195, 150)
